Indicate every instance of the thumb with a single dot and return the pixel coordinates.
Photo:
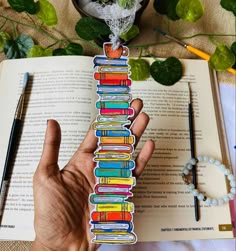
(48, 162)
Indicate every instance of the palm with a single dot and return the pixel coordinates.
(62, 211)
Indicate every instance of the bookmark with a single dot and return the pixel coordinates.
(115, 147)
(112, 217)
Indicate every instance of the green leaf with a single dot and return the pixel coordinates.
(126, 4)
(59, 52)
(47, 13)
(140, 69)
(167, 72)
(233, 49)
(189, 10)
(70, 49)
(19, 47)
(222, 59)
(39, 51)
(4, 36)
(131, 33)
(89, 28)
(24, 5)
(166, 7)
(229, 5)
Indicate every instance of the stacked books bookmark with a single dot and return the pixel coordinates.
(112, 218)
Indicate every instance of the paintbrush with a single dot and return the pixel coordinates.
(12, 145)
(192, 49)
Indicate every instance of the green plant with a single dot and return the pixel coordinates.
(43, 16)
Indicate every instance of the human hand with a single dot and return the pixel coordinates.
(62, 209)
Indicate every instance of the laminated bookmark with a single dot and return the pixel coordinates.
(112, 217)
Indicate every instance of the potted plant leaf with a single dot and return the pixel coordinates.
(92, 12)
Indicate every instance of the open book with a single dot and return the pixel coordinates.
(63, 88)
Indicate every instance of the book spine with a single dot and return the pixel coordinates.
(123, 207)
(111, 216)
(114, 152)
(103, 172)
(116, 164)
(126, 82)
(117, 140)
(110, 133)
(117, 111)
(107, 198)
(107, 89)
(112, 104)
(110, 75)
(111, 156)
(100, 60)
(117, 181)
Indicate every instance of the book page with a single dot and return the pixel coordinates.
(164, 206)
(60, 88)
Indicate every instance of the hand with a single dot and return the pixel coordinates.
(62, 210)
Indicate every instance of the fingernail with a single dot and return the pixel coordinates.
(47, 121)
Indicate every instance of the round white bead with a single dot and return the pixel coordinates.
(200, 196)
(233, 190)
(199, 158)
(195, 192)
(231, 196)
(191, 187)
(211, 160)
(217, 162)
(205, 158)
(189, 166)
(226, 198)
(186, 171)
(233, 183)
(192, 161)
(214, 202)
(222, 167)
(221, 202)
(230, 177)
(227, 172)
(208, 201)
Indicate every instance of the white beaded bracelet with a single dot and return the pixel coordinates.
(209, 201)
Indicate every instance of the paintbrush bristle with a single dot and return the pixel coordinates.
(160, 31)
(25, 81)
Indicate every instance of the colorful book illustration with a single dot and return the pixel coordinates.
(102, 60)
(113, 189)
(119, 207)
(117, 111)
(103, 172)
(110, 156)
(114, 118)
(101, 227)
(107, 89)
(115, 97)
(108, 126)
(117, 140)
(116, 69)
(112, 217)
(107, 198)
(111, 75)
(115, 238)
(117, 181)
(125, 82)
(111, 133)
(112, 104)
(125, 148)
(117, 164)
